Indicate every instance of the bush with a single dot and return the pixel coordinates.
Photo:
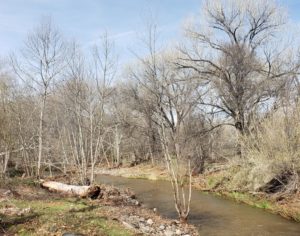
(271, 154)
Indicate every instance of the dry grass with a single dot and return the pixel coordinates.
(271, 162)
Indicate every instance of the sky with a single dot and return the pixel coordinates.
(86, 20)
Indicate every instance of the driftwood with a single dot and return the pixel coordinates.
(75, 190)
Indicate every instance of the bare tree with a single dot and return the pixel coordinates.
(174, 96)
(75, 97)
(104, 68)
(41, 62)
(85, 95)
(6, 119)
(239, 52)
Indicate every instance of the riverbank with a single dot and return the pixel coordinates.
(217, 183)
(27, 209)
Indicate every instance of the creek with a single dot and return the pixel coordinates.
(212, 215)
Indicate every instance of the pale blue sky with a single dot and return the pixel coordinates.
(85, 20)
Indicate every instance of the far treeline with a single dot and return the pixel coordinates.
(225, 95)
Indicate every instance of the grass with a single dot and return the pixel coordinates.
(57, 216)
(250, 200)
(297, 217)
(212, 181)
(138, 177)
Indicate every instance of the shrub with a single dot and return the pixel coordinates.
(272, 154)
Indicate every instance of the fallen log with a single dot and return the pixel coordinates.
(74, 190)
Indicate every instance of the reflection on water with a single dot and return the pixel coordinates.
(212, 215)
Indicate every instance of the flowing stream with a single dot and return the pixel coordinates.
(212, 215)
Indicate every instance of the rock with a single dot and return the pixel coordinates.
(129, 226)
(135, 224)
(8, 193)
(175, 222)
(169, 233)
(145, 229)
(150, 222)
(162, 227)
(141, 224)
(178, 232)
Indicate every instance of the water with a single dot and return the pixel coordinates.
(212, 215)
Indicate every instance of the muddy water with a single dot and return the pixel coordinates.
(212, 215)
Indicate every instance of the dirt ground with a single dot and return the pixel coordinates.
(28, 209)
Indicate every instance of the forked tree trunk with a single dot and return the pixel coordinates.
(182, 203)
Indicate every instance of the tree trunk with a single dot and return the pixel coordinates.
(40, 153)
(6, 156)
(240, 126)
(117, 146)
(183, 219)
